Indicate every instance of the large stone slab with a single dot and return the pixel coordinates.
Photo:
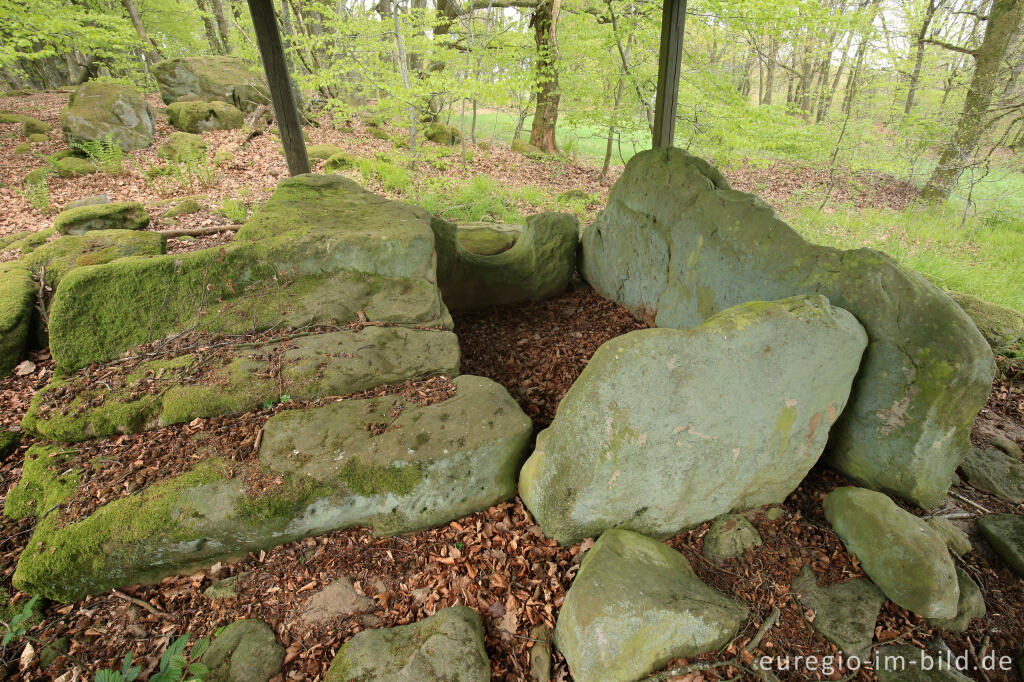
(970, 606)
(1005, 532)
(635, 605)
(901, 554)
(845, 613)
(224, 79)
(322, 250)
(667, 428)
(538, 265)
(98, 111)
(677, 244)
(446, 647)
(387, 463)
(180, 389)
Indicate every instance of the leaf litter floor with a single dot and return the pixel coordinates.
(496, 561)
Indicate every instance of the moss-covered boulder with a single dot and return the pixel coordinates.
(387, 463)
(199, 117)
(538, 265)
(245, 651)
(652, 437)
(58, 257)
(1005, 532)
(845, 613)
(996, 472)
(98, 111)
(180, 389)
(9, 442)
(70, 166)
(635, 605)
(440, 133)
(677, 244)
(446, 647)
(180, 146)
(730, 536)
(322, 152)
(1001, 326)
(211, 78)
(901, 554)
(320, 250)
(118, 215)
(527, 149)
(185, 206)
(33, 126)
(17, 295)
(340, 161)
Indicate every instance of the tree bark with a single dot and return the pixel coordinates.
(1004, 20)
(133, 14)
(222, 25)
(545, 32)
(211, 31)
(915, 75)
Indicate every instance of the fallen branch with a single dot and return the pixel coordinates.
(198, 231)
(138, 602)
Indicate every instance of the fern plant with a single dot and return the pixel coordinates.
(37, 191)
(105, 153)
(175, 665)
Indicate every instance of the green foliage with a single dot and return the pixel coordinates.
(37, 190)
(175, 665)
(234, 210)
(105, 153)
(192, 172)
(20, 623)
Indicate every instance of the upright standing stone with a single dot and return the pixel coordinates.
(677, 244)
(211, 78)
(667, 428)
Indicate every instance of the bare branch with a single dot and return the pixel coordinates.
(950, 46)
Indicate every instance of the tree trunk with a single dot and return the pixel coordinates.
(915, 75)
(222, 24)
(769, 79)
(1004, 19)
(133, 14)
(211, 31)
(545, 117)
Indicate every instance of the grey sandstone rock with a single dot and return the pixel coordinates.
(446, 647)
(677, 244)
(654, 438)
(1005, 532)
(955, 539)
(901, 554)
(100, 111)
(996, 472)
(245, 651)
(971, 605)
(845, 613)
(635, 605)
(211, 78)
(730, 536)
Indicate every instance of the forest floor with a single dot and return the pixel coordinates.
(496, 561)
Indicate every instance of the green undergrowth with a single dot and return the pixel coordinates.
(983, 259)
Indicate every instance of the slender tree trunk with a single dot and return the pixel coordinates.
(222, 24)
(619, 90)
(133, 14)
(769, 78)
(545, 117)
(1004, 20)
(211, 31)
(915, 74)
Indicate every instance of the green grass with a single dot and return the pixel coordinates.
(985, 259)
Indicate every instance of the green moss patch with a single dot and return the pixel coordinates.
(45, 483)
(119, 215)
